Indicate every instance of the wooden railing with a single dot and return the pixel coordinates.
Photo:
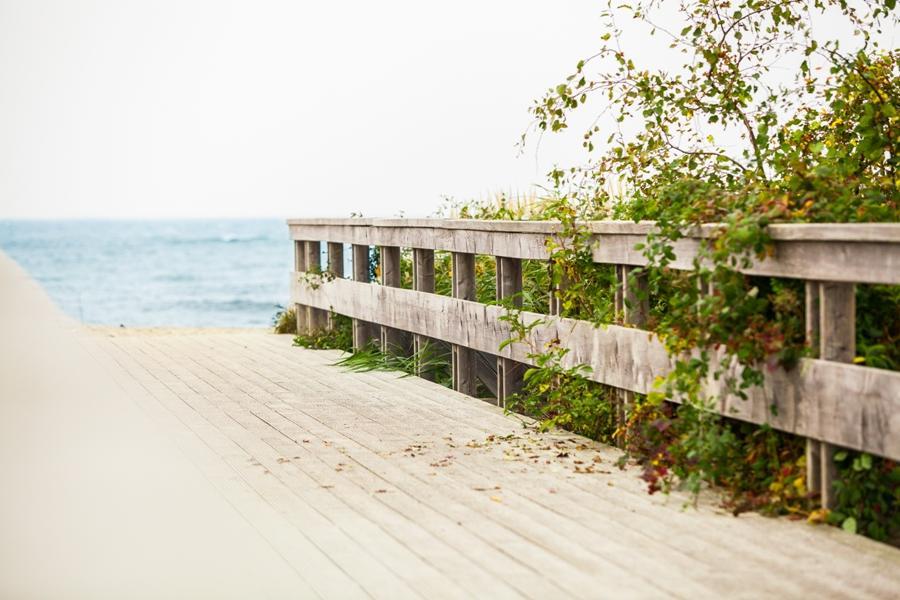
(829, 400)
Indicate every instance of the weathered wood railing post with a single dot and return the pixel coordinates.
(423, 281)
(301, 312)
(618, 395)
(635, 310)
(463, 358)
(837, 342)
(364, 332)
(316, 318)
(335, 269)
(393, 341)
(813, 446)
(509, 286)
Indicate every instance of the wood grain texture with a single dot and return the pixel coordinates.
(423, 281)
(300, 311)
(393, 340)
(463, 367)
(364, 332)
(316, 319)
(336, 269)
(853, 253)
(372, 484)
(837, 342)
(813, 446)
(509, 287)
(845, 404)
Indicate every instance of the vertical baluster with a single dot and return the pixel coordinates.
(618, 395)
(364, 333)
(393, 341)
(423, 281)
(837, 342)
(813, 446)
(509, 285)
(635, 310)
(300, 310)
(336, 269)
(463, 359)
(317, 319)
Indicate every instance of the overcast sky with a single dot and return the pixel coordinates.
(191, 108)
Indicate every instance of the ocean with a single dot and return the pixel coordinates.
(185, 273)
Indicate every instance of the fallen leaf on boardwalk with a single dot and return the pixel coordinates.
(552, 491)
(818, 516)
(562, 455)
(480, 489)
(281, 461)
(380, 491)
(496, 498)
(597, 459)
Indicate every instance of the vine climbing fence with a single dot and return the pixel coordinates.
(826, 398)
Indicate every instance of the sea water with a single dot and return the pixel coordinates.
(191, 273)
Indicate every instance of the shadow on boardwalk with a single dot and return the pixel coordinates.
(217, 464)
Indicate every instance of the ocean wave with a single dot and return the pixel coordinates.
(218, 239)
(236, 305)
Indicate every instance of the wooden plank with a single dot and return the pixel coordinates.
(848, 405)
(756, 542)
(423, 281)
(853, 253)
(364, 332)
(837, 342)
(848, 232)
(393, 341)
(317, 319)
(486, 370)
(346, 432)
(301, 312)
(336, 259)
(635, 301)
(635, 312)
(813, 446)
(336, 269)
(509, 287)
(463, 366)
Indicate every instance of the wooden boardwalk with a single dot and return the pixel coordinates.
(323, 483)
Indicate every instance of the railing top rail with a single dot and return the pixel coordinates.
(821, 232)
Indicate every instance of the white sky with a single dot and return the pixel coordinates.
(189, 108)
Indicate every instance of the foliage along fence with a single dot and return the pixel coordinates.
(828, 400)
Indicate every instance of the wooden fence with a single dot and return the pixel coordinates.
(829, 400)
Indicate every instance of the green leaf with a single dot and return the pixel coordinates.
(849, 524)
(866, 461)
